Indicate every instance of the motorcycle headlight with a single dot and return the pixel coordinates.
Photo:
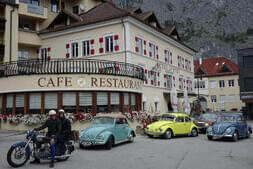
(100, 137)
(209, 129)
(228, 130)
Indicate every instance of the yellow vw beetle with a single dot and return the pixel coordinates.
(172, 124)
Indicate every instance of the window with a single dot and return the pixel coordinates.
(139, 45)
(187, 120)
(231, 83)
(168, 81)
(69, 102)
(221, 83)
(249, 84)
(248, 61)
(109, 44)
(34, 2)
(231, 98)
(43, 54)
(27, 24)
(126, 102)
(75, 9)
(115, 105)
(9, 103)
(133, 103)
(74, 49)
(23, 55)
(85, 102)
(102, 102)
(180, 119)
(20, 104)
(54, 5)
(212, 84)
(152, 50)
(181, 83)
(144, 106)
(153, 78)
(35, 103)
(51, 101)
(213, 99)
(167, 56)
(86, 48)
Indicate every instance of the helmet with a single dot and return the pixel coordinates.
(52, 112)
(61, 111)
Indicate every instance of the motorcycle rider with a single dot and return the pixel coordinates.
(54, 128)
(65, 133)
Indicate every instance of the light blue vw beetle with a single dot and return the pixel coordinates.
(106, 129)
(232, 126)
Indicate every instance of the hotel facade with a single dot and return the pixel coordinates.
(90, 56)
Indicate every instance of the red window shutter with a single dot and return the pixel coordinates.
(101, 50)
(116, 37)
(164, 76)
(145, 71)
(136, 49)
(136, 39)
(48, 49)
(171, 61)
(67, 55)
(144, 42)
(150, 54)
(157, 56)
(146, 81)
(48, 57)
(158, 74)
(145, 52)
(92, 41)
(156, 47)
(67, 46)
(101, 40)
(158, 83)
(150, 44)
(92, 51)
(165, 51)
(170, 53)
(165, 59)
(152, 82)
(116, 48)
(151, 72)
(164, 84)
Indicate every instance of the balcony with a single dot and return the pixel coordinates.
(32, 10)
(29, 37)
(11, 2)
(71, 66)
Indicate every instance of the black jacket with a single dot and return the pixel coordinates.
(54, 127)
(66, 127)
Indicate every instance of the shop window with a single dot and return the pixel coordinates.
(19, 104)
(69, 102)
(9, 103)
(86, 48)
(126, 102)
(102, 102)
(115, 105)
(85, 102)
(133, 102)
(74, 49)
(54, 6)
(35, 103)
(51, 101)
(109, 44)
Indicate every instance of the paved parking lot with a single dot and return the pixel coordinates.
(146, 153)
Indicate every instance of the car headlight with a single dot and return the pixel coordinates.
(161, 129)
(100, 137)
(206, 124)
(228, 130)
(209, 129)
(147, 127)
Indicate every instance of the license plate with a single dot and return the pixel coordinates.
(86, 143)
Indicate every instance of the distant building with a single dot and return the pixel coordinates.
(245, 63)
(216, 82)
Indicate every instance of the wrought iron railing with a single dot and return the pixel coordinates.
(71, 66)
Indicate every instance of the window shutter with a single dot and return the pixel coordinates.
(69, 99)
(183, 62)
(101, 42)
(145, 48)
(174, 81)
(85, 99)
(9, 101)
(178, 57)
(35, 100)
(68, 50)
(48, 53)
(132, 99)
(171, 58)
(165, 54)
(157, 54)
(38, 53)
(114, 98)
(20, 100)
(126, 99)
(180, 83)
(92, 50)
(51, 101)
(190, 65)
(184, 83)
(102, 98)
(136, 45)
(116, 41)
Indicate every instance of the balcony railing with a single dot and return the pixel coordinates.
(71, 66)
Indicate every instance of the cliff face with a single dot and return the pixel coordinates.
(212, 27)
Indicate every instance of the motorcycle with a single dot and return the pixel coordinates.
(20, 153)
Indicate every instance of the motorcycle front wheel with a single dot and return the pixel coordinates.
(17, 156)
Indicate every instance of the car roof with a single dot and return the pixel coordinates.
(231, 114)
(179, 114)
(111, 115)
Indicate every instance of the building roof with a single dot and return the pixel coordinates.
(108, 11)
(220, 66)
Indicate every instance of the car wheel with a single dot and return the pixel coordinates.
(249, 132)
(194, 132)
(235, 136)
(210, 137)
(131, 137)
(168, 134)
(109, 143)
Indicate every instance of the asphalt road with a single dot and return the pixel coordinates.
(146, 153)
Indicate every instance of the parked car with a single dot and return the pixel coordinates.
(205, 120)
(229, 125)
(172, 124)
(106, 129)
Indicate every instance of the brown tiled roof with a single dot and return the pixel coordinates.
(213, 66)
(134, 9)
(169, 30)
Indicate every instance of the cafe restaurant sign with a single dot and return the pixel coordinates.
(110, 82)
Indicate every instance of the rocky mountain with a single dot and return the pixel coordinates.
(212, 27)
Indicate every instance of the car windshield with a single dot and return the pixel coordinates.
(167, 117)
(209, 117)
(226, 119)
(103, 120)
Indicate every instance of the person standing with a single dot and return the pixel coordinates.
(54, 128)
